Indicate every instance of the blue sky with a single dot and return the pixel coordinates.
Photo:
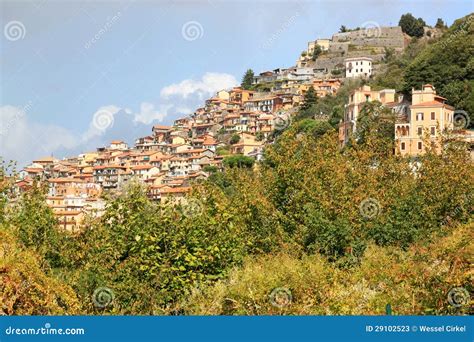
(66, 63)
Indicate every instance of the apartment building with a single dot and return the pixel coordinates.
(356, 101)
(428, 116)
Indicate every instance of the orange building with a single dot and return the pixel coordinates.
(429, 115)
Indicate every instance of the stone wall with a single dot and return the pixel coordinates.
(379, 37)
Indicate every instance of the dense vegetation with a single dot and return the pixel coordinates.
(313, 229)
(310, 218)
(447, 63)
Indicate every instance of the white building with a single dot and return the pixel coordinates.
(358, 67)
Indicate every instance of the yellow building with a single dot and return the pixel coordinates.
(429, 115)
(356, 100)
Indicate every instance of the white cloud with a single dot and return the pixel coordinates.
(209, 84)
(148, 114)
(23, 140)
(102, 120)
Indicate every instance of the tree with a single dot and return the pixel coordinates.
(259, 136)
(440, 24)
(210, 169)
(376, 122)
(25, 287)
(316, 52)
(452, 73)
(247, 80)
(343, 29)
(239, 161)
(412, 26)
(310, 98)
(37, 227)
(234, 139)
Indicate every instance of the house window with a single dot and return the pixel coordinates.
(420, 130)
(420, 145)
(402, 146)
(419, 116)
(433, 131)
(433, 116)
(367, 98)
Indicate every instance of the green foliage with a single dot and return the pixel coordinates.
(310, 99)
(440, 24)
(316, 52)
(151, 255)
(376, 121)
(25, 287)
(412, 26)
(313, 127)
(414, 282)
(234, 139)
(239, 161)
(210, 169)
(7, 176)
(37, 226)
(247, 79)
(343, 29)
(298, 220)
(451, 73)
(222, 151)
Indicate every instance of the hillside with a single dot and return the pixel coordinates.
(283, 219)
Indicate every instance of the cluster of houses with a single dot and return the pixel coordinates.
(171, 158)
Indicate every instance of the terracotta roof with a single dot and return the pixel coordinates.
(142, 167)
(44, 160)
(65, 180)
(431, 104)
(100, 167)
(175, 190)
(161, 127)
(33, 169)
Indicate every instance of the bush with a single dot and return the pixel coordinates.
(239, 161)
(413, 282)
(234, 139)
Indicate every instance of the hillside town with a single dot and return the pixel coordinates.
(240, 121)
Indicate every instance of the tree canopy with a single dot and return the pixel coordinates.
(247, 79)
(412, 26)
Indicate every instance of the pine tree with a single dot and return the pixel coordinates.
(310, 99)
(247, 80)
